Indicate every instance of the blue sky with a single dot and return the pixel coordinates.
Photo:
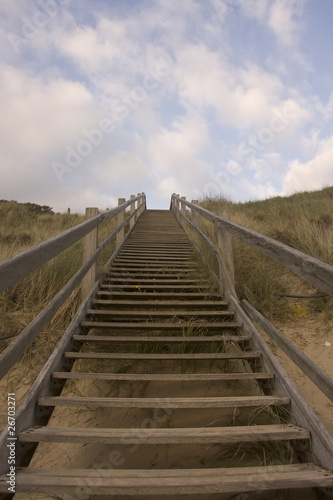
(105, 99)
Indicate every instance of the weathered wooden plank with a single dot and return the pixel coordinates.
(164, 377)
(160, 314)
(90, 244)
(157, 295)
(162, 326)
(131, 276)
(161, 252)
(128, 339)
(202, 304)
(166, 357)
(153, 269)
(154, 281)
(244, 434)
(169, 482)
(154, 261)
(204, 402)
(158, 286)
(323, 381)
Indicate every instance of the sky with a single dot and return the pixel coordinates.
(103, 99)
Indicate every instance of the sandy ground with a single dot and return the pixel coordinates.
(312, 335)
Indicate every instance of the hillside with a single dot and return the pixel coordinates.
(303, 221)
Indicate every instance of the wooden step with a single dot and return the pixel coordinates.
(175, 403)
(166, 357)
(154, 269)
(160, 314)
(157, 250)
(128, 339)
(164, 377)
(157, 277)
(205, 435)
(153, 260)
(185, 304)
(186, 296)
(181, 325)
(169, 482)
(154, 281)
(156, 286)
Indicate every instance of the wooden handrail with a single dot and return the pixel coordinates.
(323, 381)
(17, 267)
(18, 346)
(315, 271)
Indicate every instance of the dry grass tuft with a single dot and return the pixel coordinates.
(303, 221)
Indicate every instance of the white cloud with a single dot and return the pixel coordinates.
(176, 156)
(282, 17)
(284, 20)
(314, 174)
(256, 9)
(39, 119)
(243, 98)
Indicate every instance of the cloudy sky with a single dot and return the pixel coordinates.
(107, 98)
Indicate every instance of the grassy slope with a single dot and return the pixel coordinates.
(303, 221)
(22, 226)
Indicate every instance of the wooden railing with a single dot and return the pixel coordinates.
(17, 267)
(314, 271)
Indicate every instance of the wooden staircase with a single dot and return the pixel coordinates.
(166, 397)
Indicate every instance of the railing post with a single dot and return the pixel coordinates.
(183, 212)
(224, 243)
(143, 203)
(173, 208)
(177, 207)
(89, 247)
(132, 208)
(138, 204)
(195, 215)
(120, 220)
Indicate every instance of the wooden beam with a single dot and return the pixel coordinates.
(172, 482)
(164, 377)
(120, 220)
(204, 402)
(90, 242)
(225, 435)
(323, 381)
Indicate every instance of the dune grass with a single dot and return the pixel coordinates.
(303, 221)
(22, 226)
